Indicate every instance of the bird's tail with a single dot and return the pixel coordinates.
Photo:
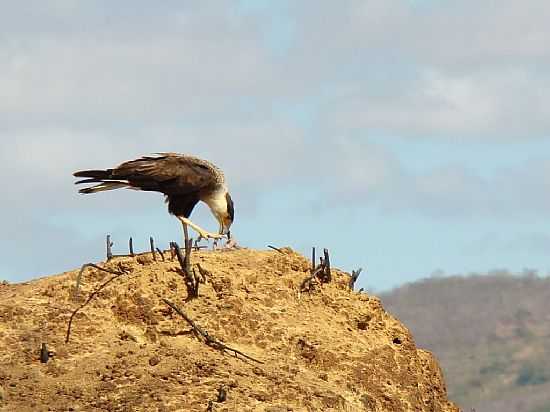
(103, 177)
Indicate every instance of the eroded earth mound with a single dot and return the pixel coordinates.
(325, 350)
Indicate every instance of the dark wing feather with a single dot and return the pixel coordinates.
(183, 179)
(170, 174)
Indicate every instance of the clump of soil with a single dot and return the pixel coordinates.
(325, 350)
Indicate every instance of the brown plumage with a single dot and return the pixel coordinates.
(183, 179)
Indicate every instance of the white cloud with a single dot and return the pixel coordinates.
(466, 70)
(295, 100)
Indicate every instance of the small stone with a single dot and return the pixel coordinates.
(153, 361)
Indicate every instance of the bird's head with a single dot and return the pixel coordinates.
(226, 216)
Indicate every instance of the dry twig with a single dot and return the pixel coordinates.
(275, 248)
(45, 354)
(354, 275)
(191, 281)
(208, 339)
(152, 244)
(109, 245)
(79, 277)
(327, 277)
(131, 246)
(321, 272)
(93, 294)
(307, 284)
(205, 274)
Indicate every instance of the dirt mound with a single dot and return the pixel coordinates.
(326, 350)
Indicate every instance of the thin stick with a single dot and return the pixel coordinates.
(79, 277)
(92, 295)
(109, 246)
(187, 259)
(161, 254)
(204, 273)
(190, 282)
(275, 248)
(172, 251)
(45, 354)
(152, 243)
(208, 339)
(326, 261)
(131, 246)
(313, 259)
(354, 275)
(307, 281)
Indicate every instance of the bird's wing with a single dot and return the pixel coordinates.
(171, 174)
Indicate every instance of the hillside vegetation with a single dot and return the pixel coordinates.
(491, 334)
(325, 350)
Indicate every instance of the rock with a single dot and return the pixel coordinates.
(154, 360)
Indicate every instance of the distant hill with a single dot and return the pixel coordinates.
(491, 334)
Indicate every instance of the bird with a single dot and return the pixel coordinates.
(185, 180)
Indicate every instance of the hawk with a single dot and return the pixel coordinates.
(184, 180)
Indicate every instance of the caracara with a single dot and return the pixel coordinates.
(183, 179)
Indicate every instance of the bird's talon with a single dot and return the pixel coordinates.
(206, 235)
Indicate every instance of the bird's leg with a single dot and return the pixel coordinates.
(185, 235)
(202, 233)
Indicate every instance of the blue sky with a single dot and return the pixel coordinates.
(406, 136)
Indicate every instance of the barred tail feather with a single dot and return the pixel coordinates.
(103, 186)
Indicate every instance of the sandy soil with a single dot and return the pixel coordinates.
(326, 350)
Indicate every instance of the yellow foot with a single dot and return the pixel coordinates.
(208, 235)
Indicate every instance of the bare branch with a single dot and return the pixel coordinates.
(208, 339)
(152, 244)
(275, 248)
(205, 274)
(354, 276)
(327, 277)
(79, 277)
(308, 282)
(45, 354)
(109, 245)
(190, 281)
(322, 271)
(92, 295)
